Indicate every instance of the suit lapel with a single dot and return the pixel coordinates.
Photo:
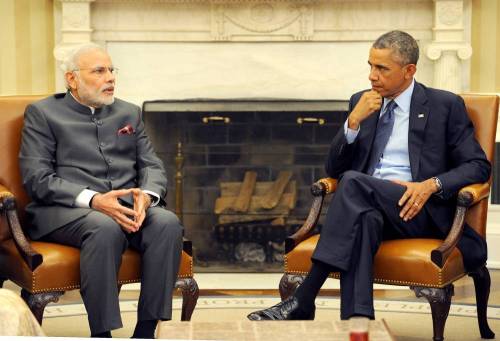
(419, 114)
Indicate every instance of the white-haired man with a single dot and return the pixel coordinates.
(97, 185)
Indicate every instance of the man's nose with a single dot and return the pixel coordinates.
(110, 77)
(373, 75)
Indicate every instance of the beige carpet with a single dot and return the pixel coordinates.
(408, 321)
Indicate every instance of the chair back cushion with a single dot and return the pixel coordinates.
(11, 124)
(483, 112)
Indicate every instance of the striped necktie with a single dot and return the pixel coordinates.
(384, 130)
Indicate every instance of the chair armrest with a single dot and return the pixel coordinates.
(319, 189)
(477, 191)
(329, 185)
(8, 205)
(467, 196)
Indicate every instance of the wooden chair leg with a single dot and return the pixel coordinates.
(288, 285)
(37, 302)
(482, 283)
(190, 293)
(440, 301)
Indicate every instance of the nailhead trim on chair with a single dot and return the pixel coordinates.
(184, 276)
(129, 281)
(326, 184)
(388, 281)
(6, 194)
(71, 287)
(34, 291)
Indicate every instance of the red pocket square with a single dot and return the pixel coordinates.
(127, 130)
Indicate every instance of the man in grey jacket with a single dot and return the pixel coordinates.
(97, 185)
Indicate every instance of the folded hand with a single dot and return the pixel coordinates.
(142, 201)
(415, 197)
(108, 204)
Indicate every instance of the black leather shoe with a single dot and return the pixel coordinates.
(286, 310)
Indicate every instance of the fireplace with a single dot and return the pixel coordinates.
(296, 49)
(217, 141)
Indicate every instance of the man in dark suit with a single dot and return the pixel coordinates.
(404, 153)
(97, 185)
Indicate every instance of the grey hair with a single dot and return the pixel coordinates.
(70, 61)
(401, 43)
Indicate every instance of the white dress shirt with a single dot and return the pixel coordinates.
(395, 161)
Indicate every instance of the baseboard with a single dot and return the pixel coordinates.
(493, 236)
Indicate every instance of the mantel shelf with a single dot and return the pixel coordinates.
(245, 104)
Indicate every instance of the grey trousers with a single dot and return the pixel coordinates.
(102, 242)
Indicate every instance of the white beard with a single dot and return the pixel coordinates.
(94, 99)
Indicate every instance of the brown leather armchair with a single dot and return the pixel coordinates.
(428, 266)
(45, 270)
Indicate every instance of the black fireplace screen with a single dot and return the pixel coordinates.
(208, 145)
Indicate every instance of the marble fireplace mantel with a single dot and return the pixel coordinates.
(312, 49)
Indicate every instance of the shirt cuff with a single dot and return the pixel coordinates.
(155, 198)
(83, 199)
(350, 134)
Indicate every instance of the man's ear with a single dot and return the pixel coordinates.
(71, 79)
(410, 70)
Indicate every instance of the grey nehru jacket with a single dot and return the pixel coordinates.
(65, 149)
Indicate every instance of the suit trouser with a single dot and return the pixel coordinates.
(363, 212)
(102, 242)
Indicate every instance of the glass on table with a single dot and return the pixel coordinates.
(358, 328)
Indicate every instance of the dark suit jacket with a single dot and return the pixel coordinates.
(66, 149)
(441, 144)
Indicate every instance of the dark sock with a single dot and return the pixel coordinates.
(145, 329)
(306, 293)
(102, 335)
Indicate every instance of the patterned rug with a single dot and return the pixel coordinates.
(408, 321)
(255, 303)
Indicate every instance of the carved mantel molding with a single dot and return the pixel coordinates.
(231, 19)
(75, 26)
(438, 25)
(449, 48)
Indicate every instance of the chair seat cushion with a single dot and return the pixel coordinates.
(60, 269)
(398, 262)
